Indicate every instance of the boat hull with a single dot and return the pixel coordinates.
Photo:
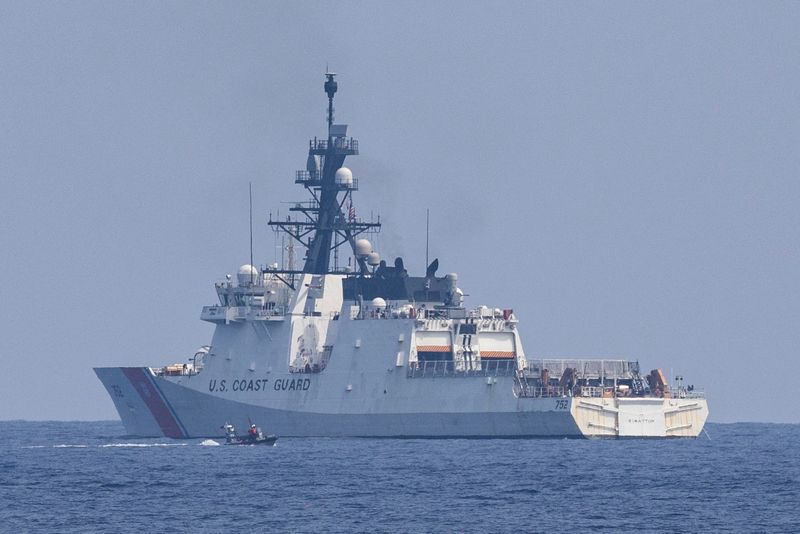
(150, 405)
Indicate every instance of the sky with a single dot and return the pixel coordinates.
(624, 175)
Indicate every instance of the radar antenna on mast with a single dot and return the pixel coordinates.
(330, 89)
(327, 220)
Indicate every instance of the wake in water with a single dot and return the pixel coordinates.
(143, 445)
(61, 446)
(81, 446)
(204, 443)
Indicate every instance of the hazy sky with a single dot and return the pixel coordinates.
(623, 175)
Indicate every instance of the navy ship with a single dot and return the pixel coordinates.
(368, 349)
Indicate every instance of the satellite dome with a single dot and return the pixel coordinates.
(344, 176)
(363, 248)
(247, 269)
(247, 275)
(374, 259)
(378, 303)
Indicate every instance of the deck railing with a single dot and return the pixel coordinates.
(586, 367)
(525, 390)
(456, 369)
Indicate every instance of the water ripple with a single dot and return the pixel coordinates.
(90, 477)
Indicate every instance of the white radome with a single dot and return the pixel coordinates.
(344, 176)
(374, 259)
(378, 303)
(247, 274)
(363, 248)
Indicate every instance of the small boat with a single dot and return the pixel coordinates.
(254, 436)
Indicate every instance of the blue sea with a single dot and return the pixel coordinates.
(90, 477)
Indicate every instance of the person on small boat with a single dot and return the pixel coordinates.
(230, 432)
(253, 432)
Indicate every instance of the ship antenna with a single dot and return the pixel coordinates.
(427, 234)
(330, 89)
(251, 233)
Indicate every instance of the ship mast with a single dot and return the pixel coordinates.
(323, 225)
(330, 89)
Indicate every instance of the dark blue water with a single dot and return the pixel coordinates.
(88, 477)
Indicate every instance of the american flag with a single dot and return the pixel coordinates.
(351, 213)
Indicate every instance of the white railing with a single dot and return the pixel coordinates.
(684, 393)
(242, 312)
(586, 368)
(524, 390)
(450, 368)
(175, 370)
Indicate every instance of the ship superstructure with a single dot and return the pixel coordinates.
(367, 349)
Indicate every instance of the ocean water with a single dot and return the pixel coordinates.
(90, 477)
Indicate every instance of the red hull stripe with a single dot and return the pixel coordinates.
(142, 383)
